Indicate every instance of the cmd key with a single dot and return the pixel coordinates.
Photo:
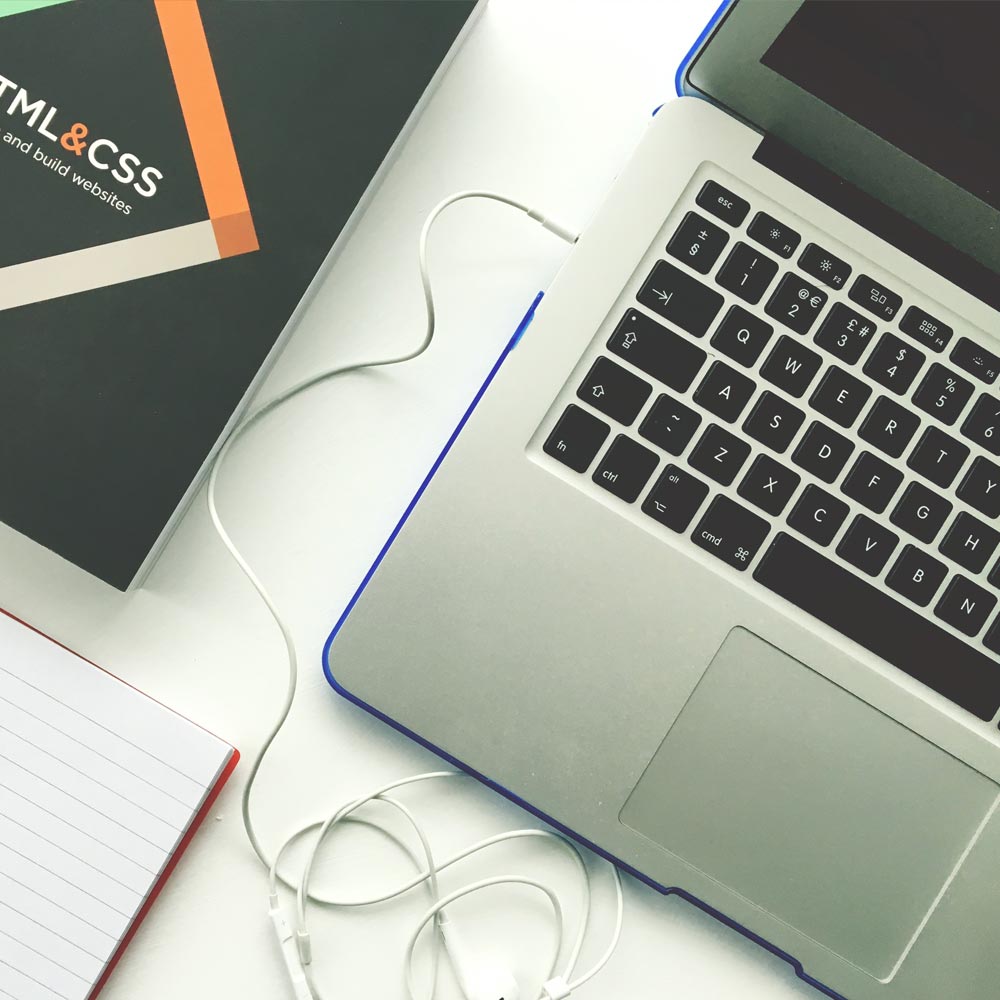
(730, 532)
(875, 620)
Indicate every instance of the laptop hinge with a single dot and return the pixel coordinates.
(877, 218)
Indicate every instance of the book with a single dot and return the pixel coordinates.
(173, 176)
(101, 790)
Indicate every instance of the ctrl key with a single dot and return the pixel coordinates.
(576, 438)
(625, 468)
(730, 532)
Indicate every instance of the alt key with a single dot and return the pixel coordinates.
(675, 498)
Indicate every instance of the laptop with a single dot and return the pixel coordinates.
(708, 574)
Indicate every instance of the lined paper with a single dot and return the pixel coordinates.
(98, 785)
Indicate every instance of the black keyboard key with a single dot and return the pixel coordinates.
(680, 299)
(719, 454)
(742, 336)
(894, 363)
(625, 468)
(867, 545)
(875, 620)
(925, 329)
(769, 485)
(791, 366)
(823, 452)
(659, 352)
(613, 390)
(889, 426)
(723, 204)
(773, 235)
(845, 333)
(876, 298)
(916, 575)
(698, 242)
(976, 360)
(796, 303)
(576, 438)
(724, 391)
(938, 457)
(730, 532)
(872, 482)
(994, 577)
(773, 421)
(981, 487)
(969, 542)
(840, 396)
(747, 272)
(670, 425)
(824, 266)
(818, 515)
(983, 424)
(992, 638)
(942, 394)
(921, 512)
(675, 498)
(965, 606)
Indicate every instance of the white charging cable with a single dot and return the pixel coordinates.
(293, 934)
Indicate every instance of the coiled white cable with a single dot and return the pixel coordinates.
(556, 987)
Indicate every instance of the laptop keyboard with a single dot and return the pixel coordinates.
(802, 423)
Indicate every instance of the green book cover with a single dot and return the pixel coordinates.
(173, 174)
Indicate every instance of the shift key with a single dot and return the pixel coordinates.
(680, 299)
(657, 351)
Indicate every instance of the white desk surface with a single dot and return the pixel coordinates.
(546, 100)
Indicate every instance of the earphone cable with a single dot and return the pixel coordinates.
(257, 415)
(429, 875)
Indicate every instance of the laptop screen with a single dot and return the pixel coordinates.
(918, 74)
(897, 97)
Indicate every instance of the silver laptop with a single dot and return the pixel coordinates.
(708, 574)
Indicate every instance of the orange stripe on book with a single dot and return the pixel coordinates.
(201, 104)
(235, 234)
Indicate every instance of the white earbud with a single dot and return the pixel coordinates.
(478, 978)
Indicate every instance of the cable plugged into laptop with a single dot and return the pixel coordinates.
(478, 978)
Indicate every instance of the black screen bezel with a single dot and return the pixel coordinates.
(728, 71)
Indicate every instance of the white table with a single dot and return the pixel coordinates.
(546, 101)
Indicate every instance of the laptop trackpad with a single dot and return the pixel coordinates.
(811, 804)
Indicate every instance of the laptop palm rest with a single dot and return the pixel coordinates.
(811, 804)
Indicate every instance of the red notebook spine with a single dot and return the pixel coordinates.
(167, 871)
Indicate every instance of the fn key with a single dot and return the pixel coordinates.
(576, 438)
